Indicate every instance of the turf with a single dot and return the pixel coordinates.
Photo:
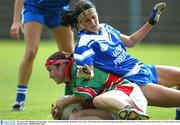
(43, 91)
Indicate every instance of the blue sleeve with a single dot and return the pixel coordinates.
(83, 55)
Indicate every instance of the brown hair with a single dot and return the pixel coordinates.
(70, 17)
(60, 55)
(57, 57)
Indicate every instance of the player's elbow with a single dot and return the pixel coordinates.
(131, 42)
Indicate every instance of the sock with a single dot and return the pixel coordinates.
(21, 93)
(178, 113)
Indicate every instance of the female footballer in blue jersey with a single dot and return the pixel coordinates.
(103, 46)
(35, 13)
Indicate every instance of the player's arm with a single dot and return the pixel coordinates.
(136, 37)
(16, 25)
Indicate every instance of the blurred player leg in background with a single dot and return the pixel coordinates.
(169, 76)
(177, 108)
(32, 32)
(33, 18)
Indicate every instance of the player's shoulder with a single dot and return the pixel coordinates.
(109, 28)
(84, 38)
(105, 25)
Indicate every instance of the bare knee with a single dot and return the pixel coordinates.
(98, 101)
(30, 54)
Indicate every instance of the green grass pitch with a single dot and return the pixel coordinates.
(43, 91)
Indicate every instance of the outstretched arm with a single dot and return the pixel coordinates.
(136, 37)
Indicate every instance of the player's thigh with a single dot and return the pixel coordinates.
(88, 113)
(168, 75)
(113, 97)
(64, 38)
(158, 95)
(32, 34)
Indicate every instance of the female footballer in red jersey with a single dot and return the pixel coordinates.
(105, 98)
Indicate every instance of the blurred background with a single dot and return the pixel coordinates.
(125, 15)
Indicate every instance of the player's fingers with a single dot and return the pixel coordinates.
(57, 113)
(54, 112)
(14, 33)
(161, 7)
(86, 69)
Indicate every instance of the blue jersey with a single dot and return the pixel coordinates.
(107, 51)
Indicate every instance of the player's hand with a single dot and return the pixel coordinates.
(56, 112)
(15, 30)
(56, 109)
(156, 13)
(84, 72)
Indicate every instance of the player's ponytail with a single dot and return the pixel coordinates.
(69, 19)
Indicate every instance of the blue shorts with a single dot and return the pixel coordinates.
(146, 74)
(50, 19)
